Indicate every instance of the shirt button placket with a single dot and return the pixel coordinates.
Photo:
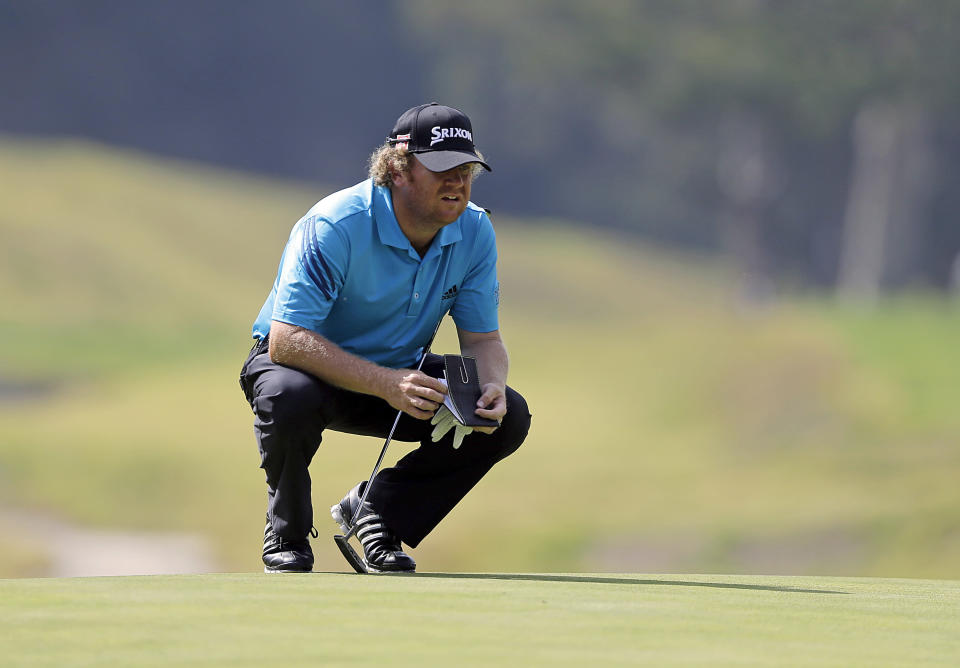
(415, 302)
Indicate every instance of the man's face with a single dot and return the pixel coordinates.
(436, 198)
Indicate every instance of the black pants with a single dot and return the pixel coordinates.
(292, 408)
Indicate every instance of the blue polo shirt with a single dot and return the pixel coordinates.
(350, 274)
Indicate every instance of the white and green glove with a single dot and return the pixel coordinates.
(445, 421)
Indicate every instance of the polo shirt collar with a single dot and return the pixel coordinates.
(389, 229)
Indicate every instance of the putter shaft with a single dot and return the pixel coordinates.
(376, 468)
(383, 451)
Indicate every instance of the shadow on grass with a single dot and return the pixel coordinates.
(593, 579)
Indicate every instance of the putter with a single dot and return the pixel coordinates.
(343, 540)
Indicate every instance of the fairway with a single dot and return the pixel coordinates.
(433, 619)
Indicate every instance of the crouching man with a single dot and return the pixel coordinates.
(364, 279)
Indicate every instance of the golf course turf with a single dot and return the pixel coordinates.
(479, 619)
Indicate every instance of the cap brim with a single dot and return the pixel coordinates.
(441, 161)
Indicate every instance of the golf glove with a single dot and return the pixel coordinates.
(444, 421)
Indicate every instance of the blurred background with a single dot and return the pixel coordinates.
(729, 250)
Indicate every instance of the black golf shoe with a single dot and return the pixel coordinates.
(381, 547)
(281, 555)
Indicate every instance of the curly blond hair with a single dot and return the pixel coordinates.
(390, 159)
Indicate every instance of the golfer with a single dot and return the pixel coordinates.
(364, 279)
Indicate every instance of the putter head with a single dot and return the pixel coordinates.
(354, 559)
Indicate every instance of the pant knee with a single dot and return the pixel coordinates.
(289, 419)
(516, 423)
(290, 402)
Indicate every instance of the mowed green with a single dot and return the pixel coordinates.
(676, 428)
(479, 619)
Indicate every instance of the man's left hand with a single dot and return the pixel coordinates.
(492, 405)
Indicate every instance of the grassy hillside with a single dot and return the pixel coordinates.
(479, 620)
(111, 261)
(674, 428)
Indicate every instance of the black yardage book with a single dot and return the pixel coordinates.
(463, 387)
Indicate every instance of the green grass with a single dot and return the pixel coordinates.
(675, 429)
(479, 620)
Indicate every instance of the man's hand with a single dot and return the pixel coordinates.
(414, 392)
(492, 364)
(492, 405)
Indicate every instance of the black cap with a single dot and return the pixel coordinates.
(441, 137)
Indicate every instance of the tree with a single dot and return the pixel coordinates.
(648, 115)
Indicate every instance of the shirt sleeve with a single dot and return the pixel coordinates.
(478, 301)
(311, 273)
